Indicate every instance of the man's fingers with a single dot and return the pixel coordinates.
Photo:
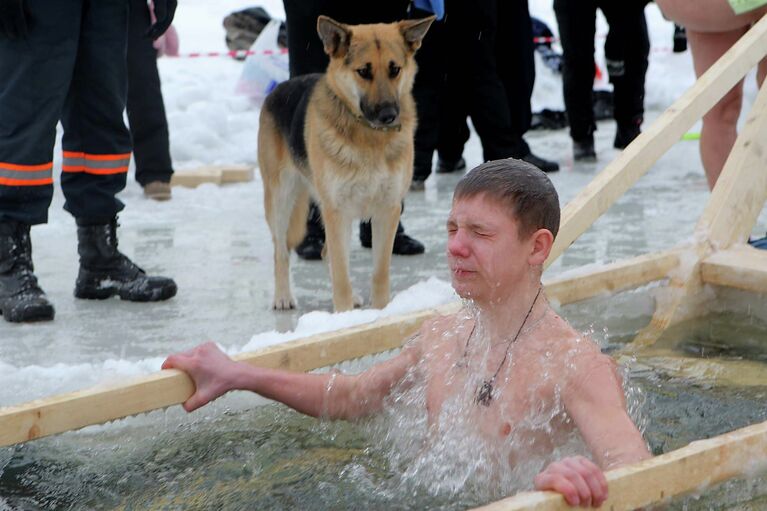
(549, 481)
(571, 470)
(171, 362)
(194, 402)
(596, 480)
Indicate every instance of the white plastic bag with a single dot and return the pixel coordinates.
(266, 67)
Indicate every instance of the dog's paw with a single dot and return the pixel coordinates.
(358, 301)
(284, 304)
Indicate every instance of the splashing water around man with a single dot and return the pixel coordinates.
(485, 399)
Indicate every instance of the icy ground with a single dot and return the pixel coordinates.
(214, 240)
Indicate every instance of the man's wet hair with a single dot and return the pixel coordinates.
(521, 187)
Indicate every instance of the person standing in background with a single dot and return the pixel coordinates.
(470, 68)
(712, 27)
(146, 110)
(66, 60)
(626, 51)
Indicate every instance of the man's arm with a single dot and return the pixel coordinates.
(331, 395)
(596, 402)
(594, 398)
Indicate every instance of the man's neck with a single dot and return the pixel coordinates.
(502, 319)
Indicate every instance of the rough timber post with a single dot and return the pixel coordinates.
(729, 216)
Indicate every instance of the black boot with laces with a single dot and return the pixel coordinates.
(105, 272)
(21, 299)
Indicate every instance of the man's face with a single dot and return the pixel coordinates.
(485, 255)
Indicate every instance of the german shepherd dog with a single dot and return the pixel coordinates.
(346, 138)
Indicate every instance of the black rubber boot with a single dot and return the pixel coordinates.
(583, 150)
(105, 272)
(311, 246)
(21, 299)
(541, 163)
(626, 133)
(403, 244)
(446, 167)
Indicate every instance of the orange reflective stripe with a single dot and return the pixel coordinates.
(91, 170)
(98, 164)
(25, 182)
(15, 174)
(103, 172)
(26, 168)
(96, 157)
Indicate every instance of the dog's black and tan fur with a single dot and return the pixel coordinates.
(346, 138)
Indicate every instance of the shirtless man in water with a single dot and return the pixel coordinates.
(506, 355)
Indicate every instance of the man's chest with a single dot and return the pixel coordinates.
(496, 405)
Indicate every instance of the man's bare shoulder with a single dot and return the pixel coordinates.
(574, 349)
(442, 324)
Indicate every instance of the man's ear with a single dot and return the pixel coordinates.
(542, 242)
(414, 30)
(335, 36)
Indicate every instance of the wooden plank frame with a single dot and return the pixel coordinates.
(215, 174)
(101, 404)
(742, 267)
(692, 468)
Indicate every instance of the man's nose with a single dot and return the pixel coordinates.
(456, 245)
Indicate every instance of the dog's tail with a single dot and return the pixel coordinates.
(297, 227)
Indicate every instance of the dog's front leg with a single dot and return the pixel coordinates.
(337, 235)
(384, 228)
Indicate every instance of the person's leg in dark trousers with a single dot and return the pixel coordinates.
(146, 110)
(36, 72)
(96, 142)
(627, 49)
(428, 94)
(516, 68)
(453, 135)
(97, 147)
(473, 29)
(306, 55)
(453, 131)
(577, 22)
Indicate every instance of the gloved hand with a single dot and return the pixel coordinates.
(13, 19)
(163, 11)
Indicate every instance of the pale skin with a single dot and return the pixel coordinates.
(712, 28)
(500, 271)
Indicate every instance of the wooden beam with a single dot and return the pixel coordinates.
(101, 404)
(722, 372)
(75, 410)
(614, 277)
(216, 174)
(634, 161)
(741, 267)
(729, 216)
(693, 468)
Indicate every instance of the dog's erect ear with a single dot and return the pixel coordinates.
(414, 30)
(335, 36)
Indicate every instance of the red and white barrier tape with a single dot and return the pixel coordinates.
(233, 53)
(282, 51)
